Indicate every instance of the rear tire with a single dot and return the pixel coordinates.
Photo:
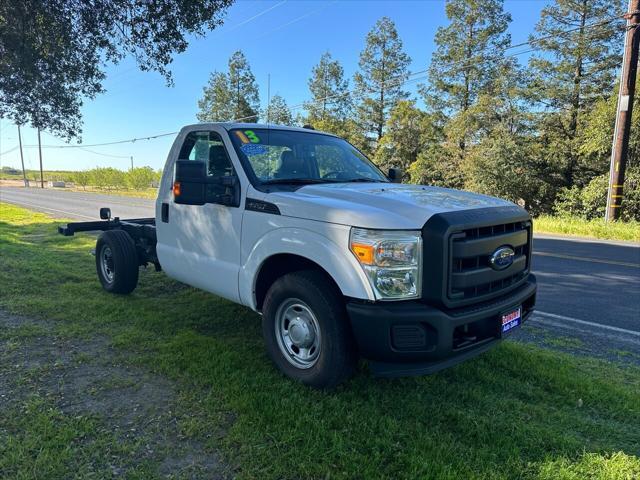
(117, 262)
(306, 330)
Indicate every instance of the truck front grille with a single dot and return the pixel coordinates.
(457, 249)
(471, 276)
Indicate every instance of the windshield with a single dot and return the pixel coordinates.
(283, 156)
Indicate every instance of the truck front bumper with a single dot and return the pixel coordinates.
(413, 338)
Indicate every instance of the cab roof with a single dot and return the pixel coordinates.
(231, 125)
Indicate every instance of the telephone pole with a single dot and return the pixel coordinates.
(40, 152)
(24, 174)
(620, 149)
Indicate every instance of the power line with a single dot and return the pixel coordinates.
(9, 151)
(103, 154)
(250, 19)
(295, 20)
(131, 140)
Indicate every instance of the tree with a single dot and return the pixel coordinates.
(329, 91)
(409, 131)
(215, 104)
(82, 178)
(53, 52)
(383, 69)
(469, 54)
(573, 70)
(244, 90)
(232, 95)
(468, 64)
(278, 112)
(596, 134)
(140, 178)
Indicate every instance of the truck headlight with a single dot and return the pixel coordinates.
(391, 260)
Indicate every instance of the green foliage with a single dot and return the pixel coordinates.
(278, 112)
(329, 92)
(54, 51)
(82, 178)
(409, 131)
(231, 96)
(572, 72)
(468, 56)
(383, 68)
(140, 178)
(589, 202)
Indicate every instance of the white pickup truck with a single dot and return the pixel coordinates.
(340, 259)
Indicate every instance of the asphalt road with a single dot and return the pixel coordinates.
(588, 290)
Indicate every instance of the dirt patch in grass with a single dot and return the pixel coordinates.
(86, 377)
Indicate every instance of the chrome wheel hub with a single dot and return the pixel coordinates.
(298, 333)
(106, 263)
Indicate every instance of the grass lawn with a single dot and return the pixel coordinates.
(629, 231)
(516, 412)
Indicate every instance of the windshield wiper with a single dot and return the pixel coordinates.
(364, 179)
(294, 181)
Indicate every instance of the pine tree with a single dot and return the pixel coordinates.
(278, 112)
(383, 69)
(573, 70)
(468, 64)
(230, 96)
(215, 104)
(468, 57)
(244, 90)
(329, 91)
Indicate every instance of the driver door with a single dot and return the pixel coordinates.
(200, 244)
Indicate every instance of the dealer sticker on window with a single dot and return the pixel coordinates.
(511, 320)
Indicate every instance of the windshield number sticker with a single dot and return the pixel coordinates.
(251, 135)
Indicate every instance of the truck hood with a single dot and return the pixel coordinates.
(377, 205)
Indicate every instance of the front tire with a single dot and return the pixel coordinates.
(306, 330)
(117, 262)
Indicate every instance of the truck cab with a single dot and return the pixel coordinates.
(340, 260)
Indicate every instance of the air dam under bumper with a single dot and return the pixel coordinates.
(413, 338)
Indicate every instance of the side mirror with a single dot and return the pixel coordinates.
(192, 185)
(395, 175)
(105, 213)
(189, 184)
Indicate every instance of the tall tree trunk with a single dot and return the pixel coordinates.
(576, 95)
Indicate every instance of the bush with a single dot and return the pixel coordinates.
(591, 201)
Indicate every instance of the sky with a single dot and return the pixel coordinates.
(282, 39)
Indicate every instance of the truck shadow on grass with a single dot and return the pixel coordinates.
(516, 412)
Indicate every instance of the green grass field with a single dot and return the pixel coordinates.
(518, 411)
(628, 231)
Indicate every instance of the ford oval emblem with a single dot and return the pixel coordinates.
(502, 258)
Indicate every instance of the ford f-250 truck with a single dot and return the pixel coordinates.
(340, 259)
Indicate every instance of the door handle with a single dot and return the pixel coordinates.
(164, 213)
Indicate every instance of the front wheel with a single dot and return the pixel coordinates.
(306, 330)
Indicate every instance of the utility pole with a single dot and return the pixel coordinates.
(40, 153)
(131, 162)
(24, 174)
(620, 149)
